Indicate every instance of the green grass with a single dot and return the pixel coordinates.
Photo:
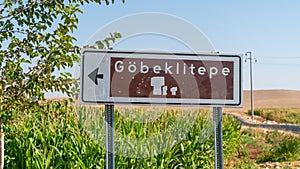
(284, 148)
(275, 146)
(281, 115)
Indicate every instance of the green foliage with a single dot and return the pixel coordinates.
(242, 160)
(260, 147)
(243, 163)
(36, 48)
(49, 136)
(52, 137)
(106, 43)
(281, 115)
(195, 150)
(284, 148)
(257, 112)
(36, 42)
(232, 136)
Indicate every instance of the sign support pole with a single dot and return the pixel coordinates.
(217, 113)
(109, 125)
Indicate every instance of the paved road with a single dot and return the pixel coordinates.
(293, 128)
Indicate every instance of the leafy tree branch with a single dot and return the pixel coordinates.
(36, 42)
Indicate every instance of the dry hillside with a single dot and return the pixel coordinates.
(270, 99)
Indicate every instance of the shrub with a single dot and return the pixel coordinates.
(287, 149)
(282, 115)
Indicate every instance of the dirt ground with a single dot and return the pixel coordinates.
(267, 99)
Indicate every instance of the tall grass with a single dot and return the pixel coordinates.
(281, 115)
(50, 137)
(54, 136)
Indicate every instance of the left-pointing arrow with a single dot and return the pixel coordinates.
(94, 76)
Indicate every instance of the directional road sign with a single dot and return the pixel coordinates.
(160, 78)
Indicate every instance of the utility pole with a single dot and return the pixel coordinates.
(251, 81)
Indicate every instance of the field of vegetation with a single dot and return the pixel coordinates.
(280, 115)
(261, 147)
(58, 134)
(37, 48)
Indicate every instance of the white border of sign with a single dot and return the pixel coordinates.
(91, 59)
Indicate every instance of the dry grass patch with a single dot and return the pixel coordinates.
(280, 115)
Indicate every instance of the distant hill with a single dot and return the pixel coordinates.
(270, 99)
(264, 99)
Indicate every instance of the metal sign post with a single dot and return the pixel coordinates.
(135, 77)
(217, 113)
(109, 125)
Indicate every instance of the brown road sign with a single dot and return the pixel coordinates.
(160, 78)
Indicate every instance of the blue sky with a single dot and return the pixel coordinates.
(268, 28)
